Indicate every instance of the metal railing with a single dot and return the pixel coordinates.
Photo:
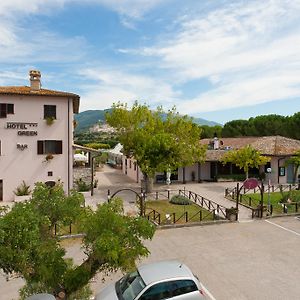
(205, 203)
(231, 193)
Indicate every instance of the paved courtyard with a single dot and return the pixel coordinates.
(113, 180)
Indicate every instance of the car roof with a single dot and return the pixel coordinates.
(41, 297)
(164, 270)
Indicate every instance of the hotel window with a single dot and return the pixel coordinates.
(6, 109)
(49, 147)
(50, 111)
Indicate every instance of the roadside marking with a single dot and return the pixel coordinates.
(289, 230)
(206, 291)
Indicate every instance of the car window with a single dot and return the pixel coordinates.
(158, 291)
(180, 287)
(130, 286)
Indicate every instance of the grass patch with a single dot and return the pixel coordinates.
(67, 229)
(275, 199)
(165, 207)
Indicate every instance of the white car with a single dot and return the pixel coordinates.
(41, 297)
(156, 281)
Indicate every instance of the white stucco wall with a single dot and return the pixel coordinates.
(130, 171)
(277, 162)
(17, 165)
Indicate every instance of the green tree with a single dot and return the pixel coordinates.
(210, 131)
(234, 128)
(29, 248)
(294, 160)
(158, 141)
(293, 125)
(245, 158)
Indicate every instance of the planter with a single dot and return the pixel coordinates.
(231, 214)
(86, 194)
(22, 198)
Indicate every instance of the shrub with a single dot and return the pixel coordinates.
(97, 146)
(82, 186)
(180, 200)
(23, 189)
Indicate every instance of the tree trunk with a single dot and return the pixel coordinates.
(79, 277)
(247, 174)
(148, 184)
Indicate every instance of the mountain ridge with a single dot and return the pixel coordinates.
(88, 118)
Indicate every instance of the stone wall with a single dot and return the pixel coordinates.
(84, 173)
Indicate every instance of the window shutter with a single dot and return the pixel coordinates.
(40, 147)
(10, 108)
(59, 147)
(3, 110)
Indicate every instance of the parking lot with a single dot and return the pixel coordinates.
(253, 260)
(249, 260)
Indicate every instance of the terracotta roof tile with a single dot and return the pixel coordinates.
(26, 90)
(267, 145)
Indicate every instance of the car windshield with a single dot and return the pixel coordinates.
(129, 286)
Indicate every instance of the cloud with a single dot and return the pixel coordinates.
(105, 87)
(130, 8)
(27, 41)
(246, 92)
(244, 49)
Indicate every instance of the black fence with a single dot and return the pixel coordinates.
(231, 193)
(181, 218)
(210, 210)
(255, 204)
(205, 203)
(69, 229)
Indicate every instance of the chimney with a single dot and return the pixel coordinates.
(216, 142)
(35, 80)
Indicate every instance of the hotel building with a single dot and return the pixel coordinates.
(36, 136)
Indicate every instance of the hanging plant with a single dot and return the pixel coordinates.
(49, 157)
(49, 120)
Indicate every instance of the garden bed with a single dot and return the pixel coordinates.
(164, 207)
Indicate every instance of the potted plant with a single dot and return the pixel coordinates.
(22, 192)
(49, 156)
(232, 214)
(49, 120)
(83, 187)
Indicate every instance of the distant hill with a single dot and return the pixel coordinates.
(88, 118)
(201, 121)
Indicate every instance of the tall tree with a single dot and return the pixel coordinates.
(211, 131)
(158, 141)
(234, 128)
(245, 158)
(29, 248)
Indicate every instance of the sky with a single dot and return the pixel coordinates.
(215, 59)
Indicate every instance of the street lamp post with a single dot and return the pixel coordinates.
(269, 170)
